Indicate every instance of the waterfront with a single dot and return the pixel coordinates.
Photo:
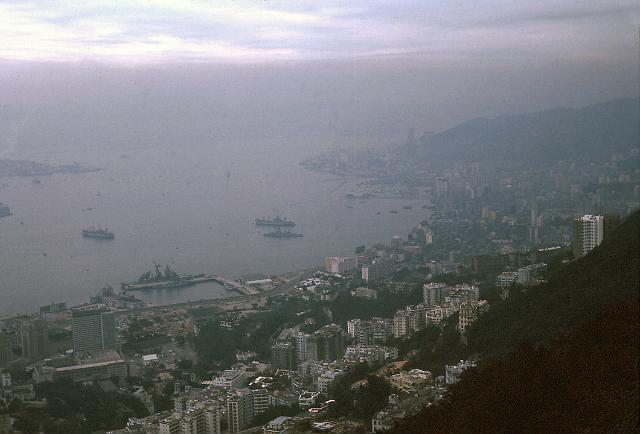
(191, 207)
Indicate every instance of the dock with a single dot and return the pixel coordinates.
(236, 286)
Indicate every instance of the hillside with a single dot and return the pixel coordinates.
(562, 357)
(587, 134)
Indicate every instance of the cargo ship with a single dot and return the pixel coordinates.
(282, 234)
(167, 280)
(99, 234)
(275, 222)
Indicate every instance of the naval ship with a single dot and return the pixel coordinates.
(167, 280)
(99, 234)
(275, 222)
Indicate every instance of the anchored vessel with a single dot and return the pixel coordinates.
(282, 234)
(275, 222)
(167, 280)
(4, 210)
(100, 234)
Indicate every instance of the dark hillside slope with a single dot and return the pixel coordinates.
(588, 134)
(581, 382)
(609, 273)
(574, 359)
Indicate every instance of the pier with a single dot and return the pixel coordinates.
(236, 286)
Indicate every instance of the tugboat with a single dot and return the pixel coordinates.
(275, 222)
(99, 234)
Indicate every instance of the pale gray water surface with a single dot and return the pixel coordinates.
(191, 208)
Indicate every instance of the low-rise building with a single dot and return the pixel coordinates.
(453, 372)
(370, 353)
(413, 382)
(230, 379)
(469, 312)
(279, 425)
(308, 399)
(364, 292)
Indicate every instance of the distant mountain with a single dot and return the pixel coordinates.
(588, 134)
(561, 357)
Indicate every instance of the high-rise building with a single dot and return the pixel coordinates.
(326, 344)
(93, 330)
(239, 409)
(302, 347)
(243, 405)
(378, 269)
(434, 293)
(283, 356)
(588, 232)
(7, 342)
(33, 337)
(202, 418)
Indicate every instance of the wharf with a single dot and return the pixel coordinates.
(236, 286)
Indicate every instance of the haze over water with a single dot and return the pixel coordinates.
(192, 207)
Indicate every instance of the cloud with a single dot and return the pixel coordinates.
(132, 32)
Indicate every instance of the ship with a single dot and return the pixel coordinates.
(282, 234)
(167, 280)
(358, 195)
(4, 210)
(277, 221)
(99, 234)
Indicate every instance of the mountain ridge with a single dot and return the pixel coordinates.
(586, 134)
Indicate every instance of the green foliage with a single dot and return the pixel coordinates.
(346, 307)
(216, 346)
(574, 292)
(363, 401)
(584, 381)
(72, 408)
(434, 347)
(560, 357)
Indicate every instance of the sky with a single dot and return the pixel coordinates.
(77, 70)
(147, 31)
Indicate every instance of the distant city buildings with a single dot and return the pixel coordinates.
(340, 264)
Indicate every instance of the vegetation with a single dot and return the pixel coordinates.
(73, 408)
(361, 401)
(561, 357)
(346, 307)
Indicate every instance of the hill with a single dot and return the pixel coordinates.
(561, 357)
(583, 135)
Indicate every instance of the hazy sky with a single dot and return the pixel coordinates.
(285, 67)
(127, 31)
